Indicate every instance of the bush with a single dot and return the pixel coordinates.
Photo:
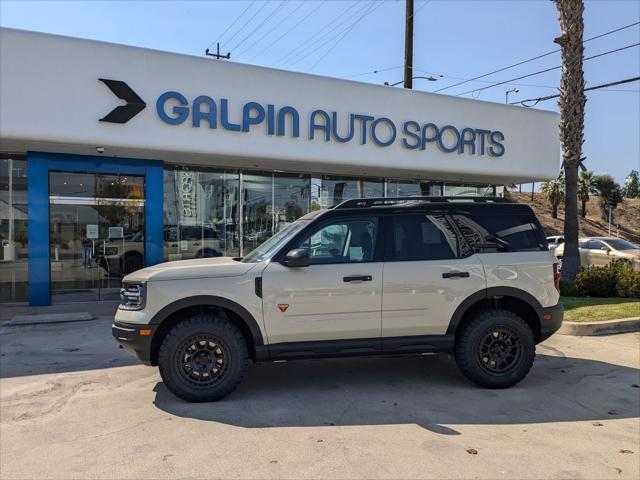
(597, 282)
(568, 288)
(629, 283)
(616, 279)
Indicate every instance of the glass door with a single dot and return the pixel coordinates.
(96, 234)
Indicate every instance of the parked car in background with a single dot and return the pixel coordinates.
(600, 251)
(555, 241)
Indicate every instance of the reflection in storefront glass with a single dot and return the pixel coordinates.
(337, 189)
(13, 229)
(469, 190)
(200, 214)
(413, 188)
(270, 202)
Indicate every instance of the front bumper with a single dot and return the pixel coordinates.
(129, 336)
(550, 320)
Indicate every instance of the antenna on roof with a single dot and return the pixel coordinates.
(218, 55)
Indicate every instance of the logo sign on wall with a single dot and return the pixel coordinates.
(175, 109)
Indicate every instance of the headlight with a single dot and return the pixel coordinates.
(132, 296)
(110, 251)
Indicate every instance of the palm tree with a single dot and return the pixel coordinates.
(571, 103)
(586, 187)
(610, 195)
(553, 191)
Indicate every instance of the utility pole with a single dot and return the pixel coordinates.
(218, 55)
(408, 45)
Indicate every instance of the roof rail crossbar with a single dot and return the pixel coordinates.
(382, 201)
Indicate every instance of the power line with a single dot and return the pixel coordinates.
(549, 97)
(232, 24)
(365, 14)
(326, 37)
(248, 49)
(288, 31)
(546, 70)
(248, 21)
(302, 46)
(276, 10)
(533, 58)
(372, 72)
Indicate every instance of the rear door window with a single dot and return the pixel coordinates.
(505, 233)
(421, 237)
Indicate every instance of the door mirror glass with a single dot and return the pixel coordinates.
(298, 257)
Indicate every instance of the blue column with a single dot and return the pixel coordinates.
(38, 230)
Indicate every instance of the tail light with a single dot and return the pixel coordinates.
(556, 276)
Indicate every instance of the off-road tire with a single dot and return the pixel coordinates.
(473, 337)
(218, 332)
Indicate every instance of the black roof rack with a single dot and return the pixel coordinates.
(389, 201)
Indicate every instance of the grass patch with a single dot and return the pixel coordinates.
(595, 309)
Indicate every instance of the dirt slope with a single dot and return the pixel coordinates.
(626, 217)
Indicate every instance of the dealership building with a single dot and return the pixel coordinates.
(115, 157)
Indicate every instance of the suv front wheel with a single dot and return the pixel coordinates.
(203, 358)
(495, 349)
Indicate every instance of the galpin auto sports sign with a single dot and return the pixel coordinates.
(173, 108)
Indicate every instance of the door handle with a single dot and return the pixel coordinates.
(357, 278)
(455, 275)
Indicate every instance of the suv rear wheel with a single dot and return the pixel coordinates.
(495, 349)
(203, 358)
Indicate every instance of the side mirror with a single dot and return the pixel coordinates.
(298, 257)
(605, 249)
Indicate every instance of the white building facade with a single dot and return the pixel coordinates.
(115, 157)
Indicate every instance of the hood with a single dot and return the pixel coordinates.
(197, 268)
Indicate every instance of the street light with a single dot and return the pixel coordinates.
(431, 78)
(506, 94)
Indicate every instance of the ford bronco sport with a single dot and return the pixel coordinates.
(380, 276)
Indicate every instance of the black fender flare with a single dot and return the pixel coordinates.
(212, 301)
(489, 293)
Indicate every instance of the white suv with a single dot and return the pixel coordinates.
(473, 277)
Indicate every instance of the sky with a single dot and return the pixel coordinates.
(454, 40)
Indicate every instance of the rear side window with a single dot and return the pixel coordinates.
(421, 237)
(506, 233)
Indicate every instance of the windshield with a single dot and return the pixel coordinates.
(619, 244)
(271, 246)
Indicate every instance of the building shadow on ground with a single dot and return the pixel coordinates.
(60, 347)
(424, 390)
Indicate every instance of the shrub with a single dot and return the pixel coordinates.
(618, 278)
(568, 288)
(597, 282)
(628, 283)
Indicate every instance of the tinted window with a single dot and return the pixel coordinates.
(421, 237)
(595, 245)
(343, 241)
(511, 233)
(619, 244)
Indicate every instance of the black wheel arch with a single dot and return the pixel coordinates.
(175, 312)
(510, 298)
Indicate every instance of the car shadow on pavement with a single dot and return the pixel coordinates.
(425, 390)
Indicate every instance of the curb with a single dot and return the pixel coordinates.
(623, 325)
(42, 318)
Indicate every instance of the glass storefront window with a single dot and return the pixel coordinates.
(200, 213)
(461, 190)
(412, 188)
(337, 189)
(13, 229)
(270, 202)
